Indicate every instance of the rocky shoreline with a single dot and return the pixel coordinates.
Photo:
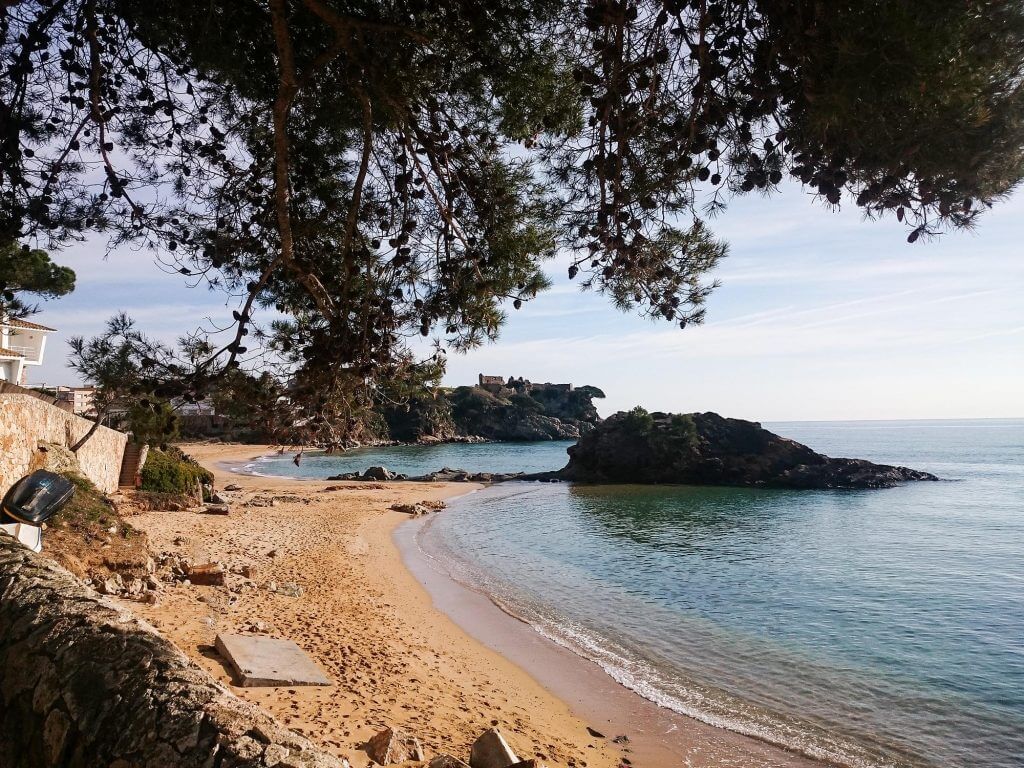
(444, 475)
(686, 449)
(708, 449)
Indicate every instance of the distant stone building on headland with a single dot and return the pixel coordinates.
(499, 385)
(491, 383)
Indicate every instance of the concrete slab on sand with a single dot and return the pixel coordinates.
(260, 661)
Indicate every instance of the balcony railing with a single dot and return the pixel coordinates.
(31, 353)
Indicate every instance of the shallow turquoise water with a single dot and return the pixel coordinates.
(421, 459)
(868, 628)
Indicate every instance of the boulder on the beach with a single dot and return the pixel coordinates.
(394, 746)
(216, 509)
(446, 761)
(491, 750)
(378, 473)
(411, 509)
(112, 586)
(208, 575)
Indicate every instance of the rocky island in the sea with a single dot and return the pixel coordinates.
(708, 449)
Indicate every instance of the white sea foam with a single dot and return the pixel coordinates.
(649, 683)
(252, 468)
(644, 679)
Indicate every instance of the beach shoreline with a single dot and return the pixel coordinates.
(395, 660)
(657, 736)
(406, 644)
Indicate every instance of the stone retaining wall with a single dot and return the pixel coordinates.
(27, 421)
(84, 684)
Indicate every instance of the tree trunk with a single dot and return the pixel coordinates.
(92, 431)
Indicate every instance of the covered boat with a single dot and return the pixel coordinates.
(31, 502)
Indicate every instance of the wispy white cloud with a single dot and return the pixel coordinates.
(147, 316)
(820, 315)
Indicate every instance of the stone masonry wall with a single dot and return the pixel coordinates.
(84, 684)
(26, 421)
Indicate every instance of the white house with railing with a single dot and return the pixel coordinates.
(22, 343)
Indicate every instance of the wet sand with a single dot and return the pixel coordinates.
(382, 632)
(656, 736)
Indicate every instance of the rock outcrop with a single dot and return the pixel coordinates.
(708, 449)
(519, 412)
(447, 475)
(531, 414)
(378, 473)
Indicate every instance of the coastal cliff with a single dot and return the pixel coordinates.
(708, 449)
(515, 410)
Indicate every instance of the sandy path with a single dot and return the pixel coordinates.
(367, 622)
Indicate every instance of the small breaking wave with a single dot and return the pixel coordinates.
(665, 688)
(686, 698)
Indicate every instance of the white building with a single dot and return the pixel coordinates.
(21, 344)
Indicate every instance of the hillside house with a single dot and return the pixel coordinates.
(22, 344)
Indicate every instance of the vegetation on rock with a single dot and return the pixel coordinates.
(707, 449)
(170, 471)
(537, 414)
(90, 538)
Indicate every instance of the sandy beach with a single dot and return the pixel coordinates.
(395, 658)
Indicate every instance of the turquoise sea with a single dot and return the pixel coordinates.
(867, 628)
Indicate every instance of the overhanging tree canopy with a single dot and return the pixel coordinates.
(25, 270)
(380, 170)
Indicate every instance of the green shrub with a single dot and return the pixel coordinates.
(472, 402)
(637, 422)
(526, 403)
(87, 505)
(165, 472)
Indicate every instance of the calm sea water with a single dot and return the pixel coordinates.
(421, 459)
(871, 628)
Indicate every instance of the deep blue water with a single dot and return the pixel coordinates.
(867, 628)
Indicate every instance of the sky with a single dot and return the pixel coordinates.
(821, 315)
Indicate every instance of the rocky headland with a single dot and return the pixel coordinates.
(495, 409)
(708, 449)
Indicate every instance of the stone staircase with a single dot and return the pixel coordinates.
(134, 455)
